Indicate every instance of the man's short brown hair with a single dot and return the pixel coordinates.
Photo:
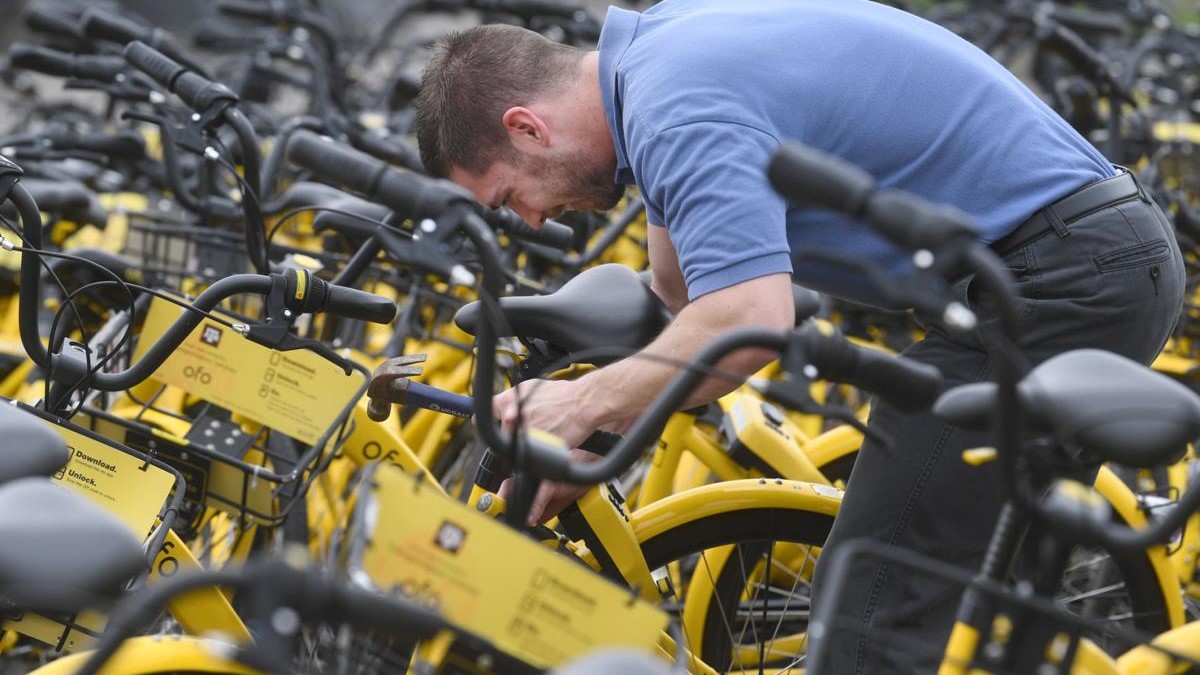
(472, 79)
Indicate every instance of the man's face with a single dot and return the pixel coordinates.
(542, 187)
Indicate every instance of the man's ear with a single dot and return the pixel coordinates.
(526, 129)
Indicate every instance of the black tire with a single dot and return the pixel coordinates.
(752, 531)
(1131, 597)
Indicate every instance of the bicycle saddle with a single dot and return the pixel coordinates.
(31, 448)
(604, 306)
(39, 522)
(1116, 408)
(71, 200)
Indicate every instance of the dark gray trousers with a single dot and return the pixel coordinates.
(1115, 281)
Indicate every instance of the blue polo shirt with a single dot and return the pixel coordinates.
(698, 93)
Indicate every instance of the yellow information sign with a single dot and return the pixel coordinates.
(296, 393)
(525, 599)
(121, 484)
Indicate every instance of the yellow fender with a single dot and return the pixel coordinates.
(1125, 503)
(738, 495)
(709, 500)
(1143, 660)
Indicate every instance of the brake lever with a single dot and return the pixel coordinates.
(793, 393)
(126, 89)
(281, 339)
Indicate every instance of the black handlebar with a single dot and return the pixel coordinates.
(51, 20)
(1077, 521)
(907, 384)
(839, 358)
(102, 25)
(124, 144)
(269, 585)
(408, 194)
(808, 176)
(250, 9)
(206, 97)
(65, 64)
(197, 91)
(343, 301)
(552, 233)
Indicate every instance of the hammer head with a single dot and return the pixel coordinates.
(389, 382)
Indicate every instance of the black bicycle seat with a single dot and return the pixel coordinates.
(39, 521)
(71, 200)
(31, 448)
(606, 306)
(1118, 409)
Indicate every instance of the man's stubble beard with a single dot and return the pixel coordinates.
(587, 183)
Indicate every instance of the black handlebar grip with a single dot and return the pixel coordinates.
(1069, 45)
(149, 60)
(51, 20)
(64, 64)
(125, 144)
(197, 91)
(409, 195)
(601, 442)
(907, 384)
(914, 224)
(392, 615)
(99, 24)
(809, 176)
(316, 596)
(219, 34)
(352, 303)
(552, 233)
(336, 162)
(249, 9)
(1090, 20)
(391, 150)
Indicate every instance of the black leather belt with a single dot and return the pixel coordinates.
(1055, 218)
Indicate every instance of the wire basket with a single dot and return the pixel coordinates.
(250, 427)
(182, 256)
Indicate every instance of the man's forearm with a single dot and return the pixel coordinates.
(623, 390)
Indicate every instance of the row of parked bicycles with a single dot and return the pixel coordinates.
(215, 290)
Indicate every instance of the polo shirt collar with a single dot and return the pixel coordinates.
(620, 25)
